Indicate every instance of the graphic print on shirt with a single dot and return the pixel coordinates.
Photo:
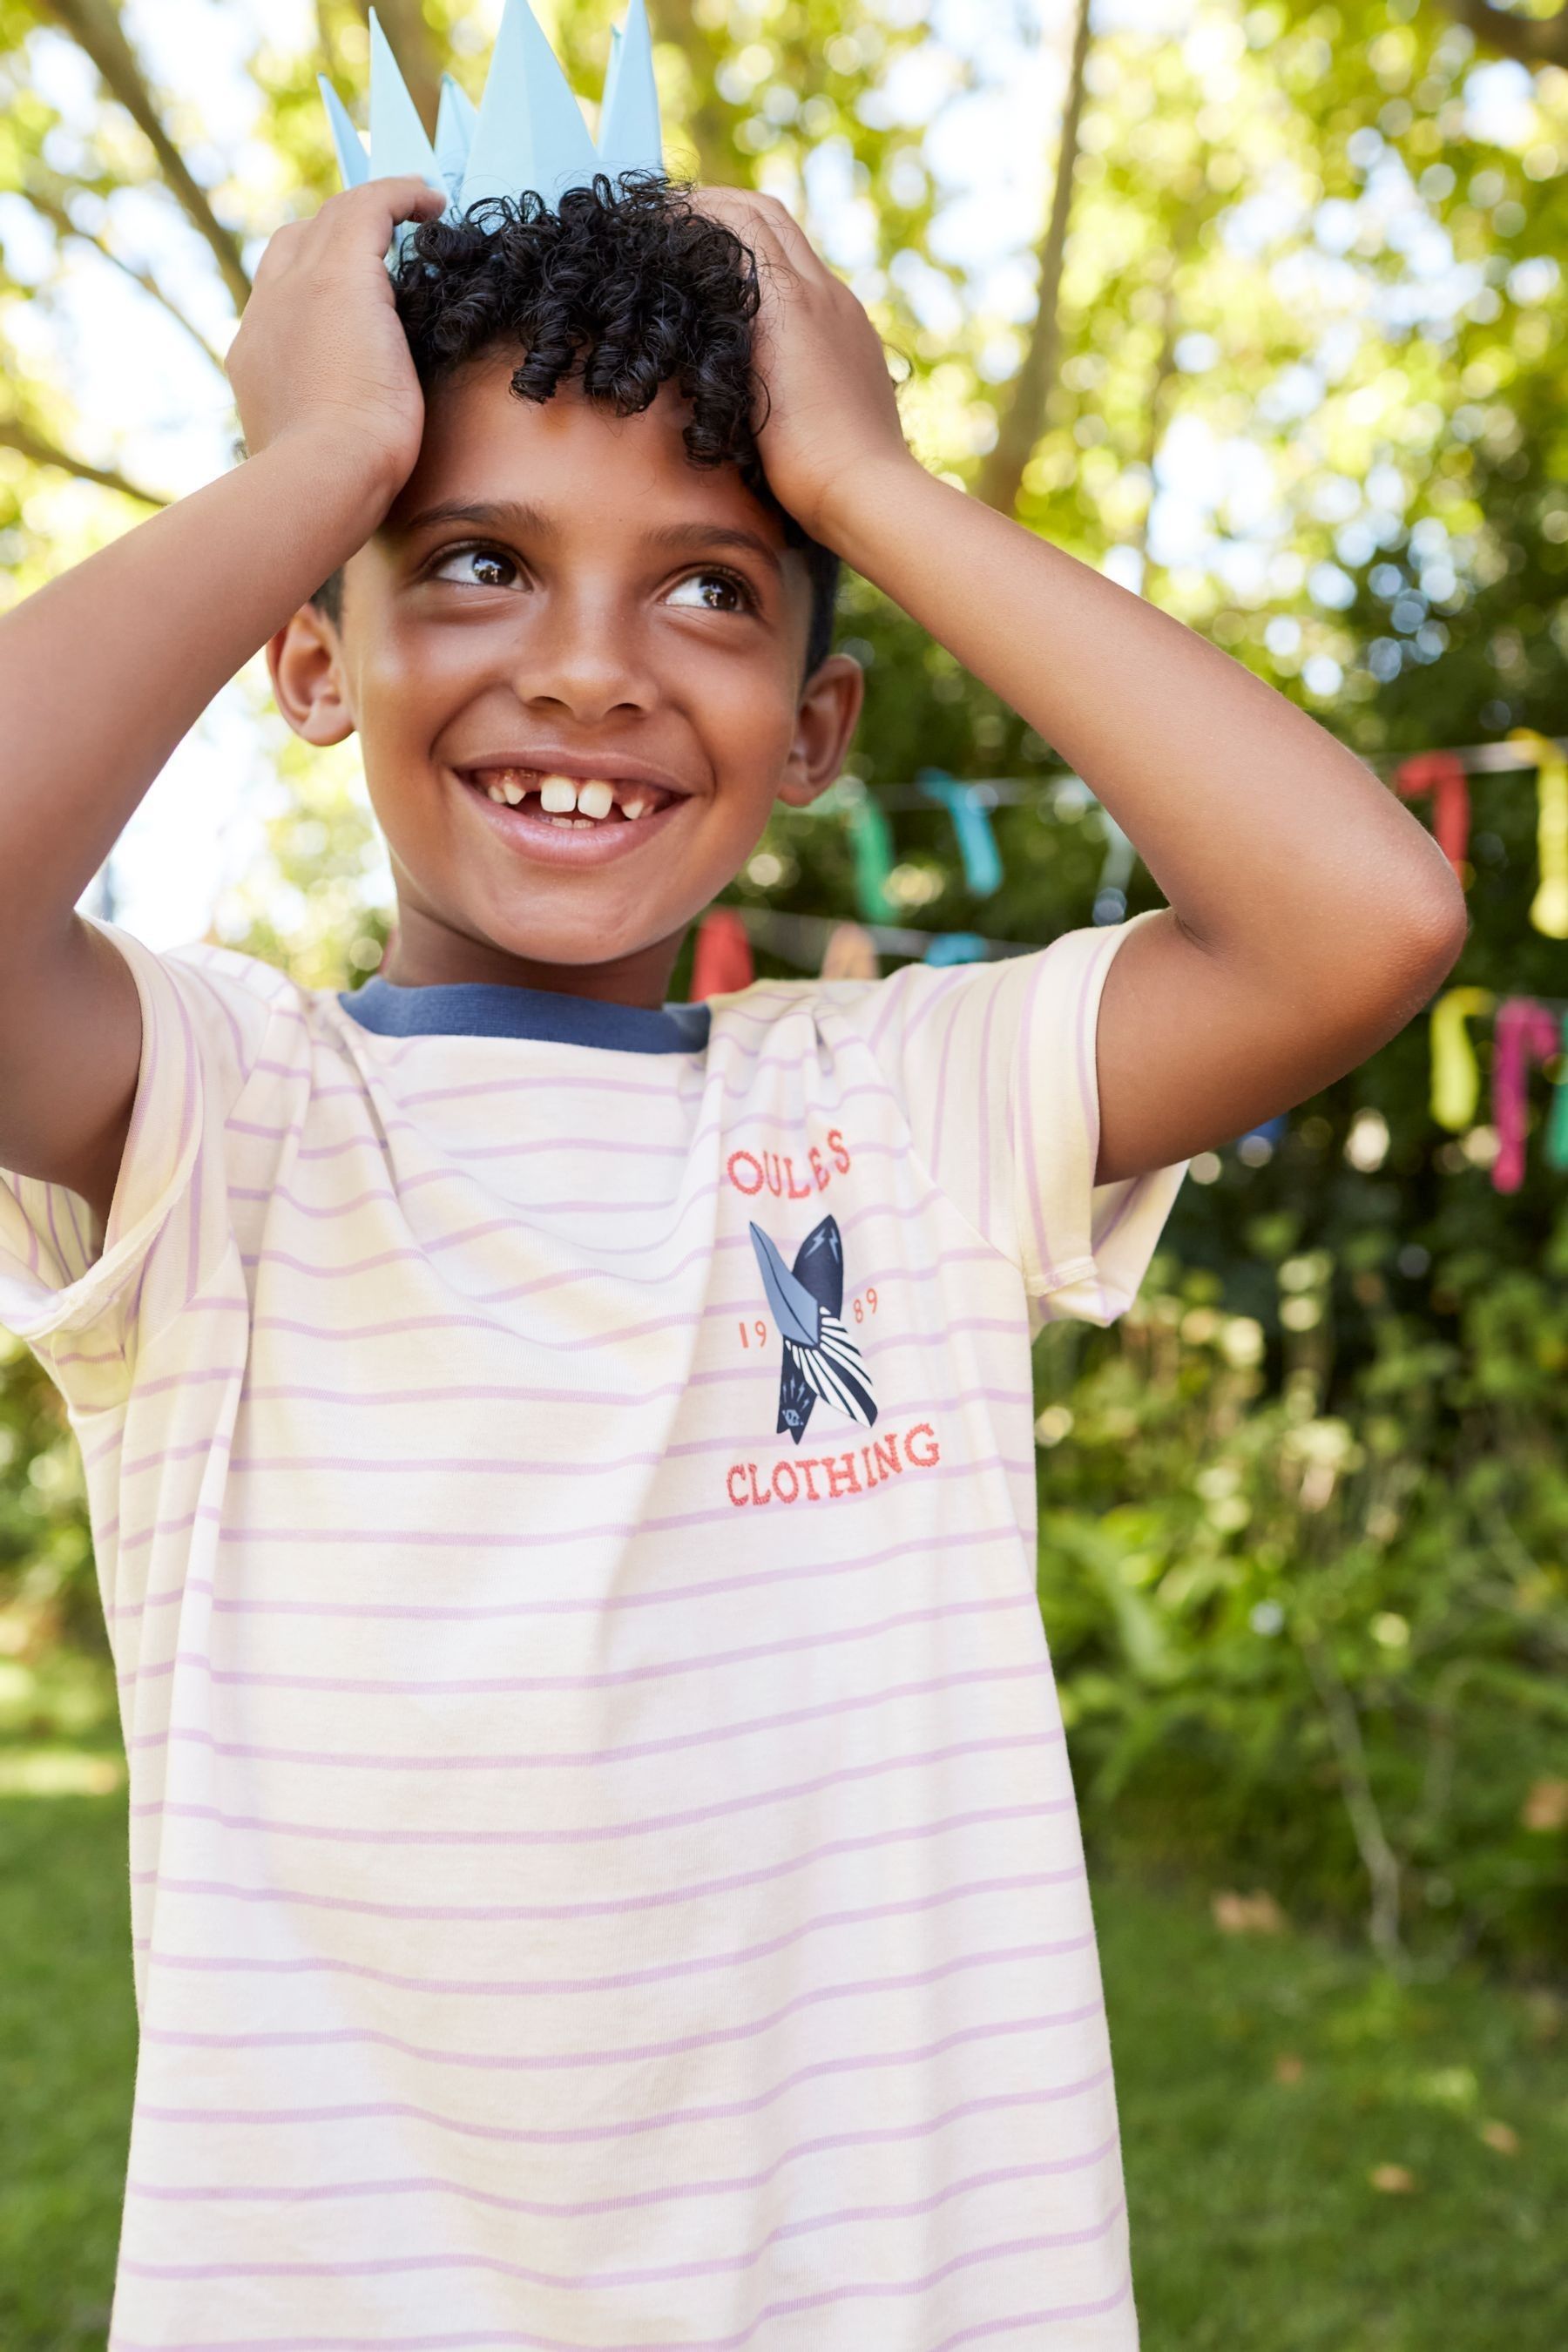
(820, 1359)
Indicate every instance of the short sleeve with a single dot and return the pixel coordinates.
(85, 1298)
(995, 1066)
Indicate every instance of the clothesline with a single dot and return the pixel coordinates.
(1011, 792)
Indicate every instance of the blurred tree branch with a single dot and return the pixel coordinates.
(1531, 40)
(49, 203)
(95, 26)
(1022, 419)
(37, 447)
(414, 45)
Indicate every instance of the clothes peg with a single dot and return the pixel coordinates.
(1549, 908)
(956, 946)
(851, 954)
(1441, 773)
(977, 848)
(721, 965)
(1525, 1032)
(1456, 1074)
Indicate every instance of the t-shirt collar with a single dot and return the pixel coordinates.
(484, 1009)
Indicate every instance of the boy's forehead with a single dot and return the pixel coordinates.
(577, 468)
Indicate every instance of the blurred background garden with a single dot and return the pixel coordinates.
(1261, 308)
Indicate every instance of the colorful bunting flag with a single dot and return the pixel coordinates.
(977, 849)
(1525, 1032)
(1456, 1074)
(1549, 909)
(1441, 773)
(721, 964)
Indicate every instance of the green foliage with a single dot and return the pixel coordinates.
(1302, 1571)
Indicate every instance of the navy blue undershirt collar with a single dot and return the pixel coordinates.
(482, 1008)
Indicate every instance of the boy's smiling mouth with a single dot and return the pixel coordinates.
(571, 807)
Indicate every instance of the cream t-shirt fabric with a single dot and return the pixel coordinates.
(604, 1869)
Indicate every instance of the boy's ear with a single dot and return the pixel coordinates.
(307, 678)
(824, 723)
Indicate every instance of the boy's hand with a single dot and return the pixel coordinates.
(321, 348)
(832, 413)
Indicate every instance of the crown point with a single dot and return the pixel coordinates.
(352, 161)
(531, 131)
(454, 127)
(399, 143)
(630, 139)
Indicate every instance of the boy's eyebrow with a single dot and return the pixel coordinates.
(517, 516)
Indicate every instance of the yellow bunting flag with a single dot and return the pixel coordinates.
(1456, 1074)
(1549, 908)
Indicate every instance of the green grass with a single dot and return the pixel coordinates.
(1256, 2223)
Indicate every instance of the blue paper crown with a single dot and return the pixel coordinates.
(527, 132)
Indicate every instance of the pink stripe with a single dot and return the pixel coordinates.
(281, 1192)
(658, 1280)
(189, 1380)
(610, 1906)
(204, 981)
(623, 1980)
(594, 1603)
(705, 1735)
(215, 1447)
(509, 2340)
(209, 1512)
(787, 1645)
(555, 1084)
(569, 2061)
(1050, 2168)
(191, 1199)
(652, 1824)
(522, 1466)
(637, 2200)
(861, 2290)
(718, 2266)
(683, 2118)
(510, 1540)
(1010, 2327)
(982, 1140)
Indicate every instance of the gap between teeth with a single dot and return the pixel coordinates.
(562, 797)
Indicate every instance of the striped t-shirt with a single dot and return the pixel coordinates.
(604, 1869)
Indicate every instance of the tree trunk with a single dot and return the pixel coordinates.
(96, 28)
(414, 45)
(1022, 414)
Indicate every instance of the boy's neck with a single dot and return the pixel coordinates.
(427, 953)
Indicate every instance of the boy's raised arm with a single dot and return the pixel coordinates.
(103, 671)
(1309, 914)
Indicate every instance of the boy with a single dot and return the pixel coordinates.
(603, 1861)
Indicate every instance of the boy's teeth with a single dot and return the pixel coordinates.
(497, 791)
(512, 793)
(594, 798)
(633, 808)
(558, 796)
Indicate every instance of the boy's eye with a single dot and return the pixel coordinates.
(478, 567)
(711, 591)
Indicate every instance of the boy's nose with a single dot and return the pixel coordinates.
(586, 658)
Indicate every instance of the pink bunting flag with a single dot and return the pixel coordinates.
(1524, 1032)
(1441, 773)
(721, 965)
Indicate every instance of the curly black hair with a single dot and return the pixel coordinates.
(627, 286)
